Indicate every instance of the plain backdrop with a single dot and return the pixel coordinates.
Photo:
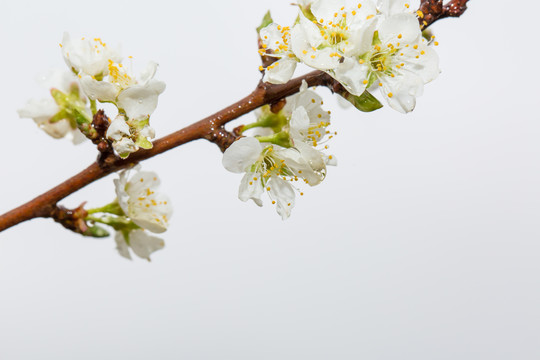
(422, 244)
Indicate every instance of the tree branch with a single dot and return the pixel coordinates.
(210, 128)
(433, 10)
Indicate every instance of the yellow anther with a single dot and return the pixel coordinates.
(390, 95)
(399, 36)
(420, 14)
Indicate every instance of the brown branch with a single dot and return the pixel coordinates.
(433, 10)
(209, 128)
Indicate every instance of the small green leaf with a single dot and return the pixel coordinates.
(267, 20)
(365, 102)
(97, 232)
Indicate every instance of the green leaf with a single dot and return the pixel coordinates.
(267, 20)
(365, 102)
(97, 232)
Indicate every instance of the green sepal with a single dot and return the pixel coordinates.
(143, 142)
(427, 34)
(365, 102)
(268, 119)
(96, 232)
(118, 223)
(267, 20)
(282, 138)
(112, 208)
(306, 10)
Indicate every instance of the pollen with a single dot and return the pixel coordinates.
(390, 95)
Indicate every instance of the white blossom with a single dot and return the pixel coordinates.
(276, 43)
(138, 98)
(267, 168)
(141, 202)
(335, 32)
(399, 62)
(88, 56)
(47, 114)
(142, 244)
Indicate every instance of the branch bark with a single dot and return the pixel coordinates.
(433, 10)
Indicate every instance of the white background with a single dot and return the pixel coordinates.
(422, 244)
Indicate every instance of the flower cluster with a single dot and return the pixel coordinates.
(364, 47)
(289, 149)
(97, 70)
(139, 206)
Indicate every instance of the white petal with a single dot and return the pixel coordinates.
(426, 65)
(77, 137)
(352, 75)
(124, 147)
(311, 32)
(405, 25)
(404, 89)
(360, 38)
(318, 59)
(39, 110)
(142, 182)
(58, 79)
(99, 90)
(283, 193)
(118, 128)
(140, 101)
(271, 36)
(250, 188)
(143, 245)
(148, 132)
(148, 73)
(392, 7)
(121, 245)
(58, 129)
(325, 9)
(280, 73)
(242, 154)
(299, 123)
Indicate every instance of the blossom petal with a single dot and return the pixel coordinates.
(242, 154)
(392, 7)
(360, 38)
(121, 245)
(322, 59)
(325, 9)
(250, 188)
(352, 75)
(140, 101)
(299, 123)
(99, 90)
(283, 193)
(280, 72)
(118, 128)
(148, 73)
(143, 245)
(401, 92)
(405, 25)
